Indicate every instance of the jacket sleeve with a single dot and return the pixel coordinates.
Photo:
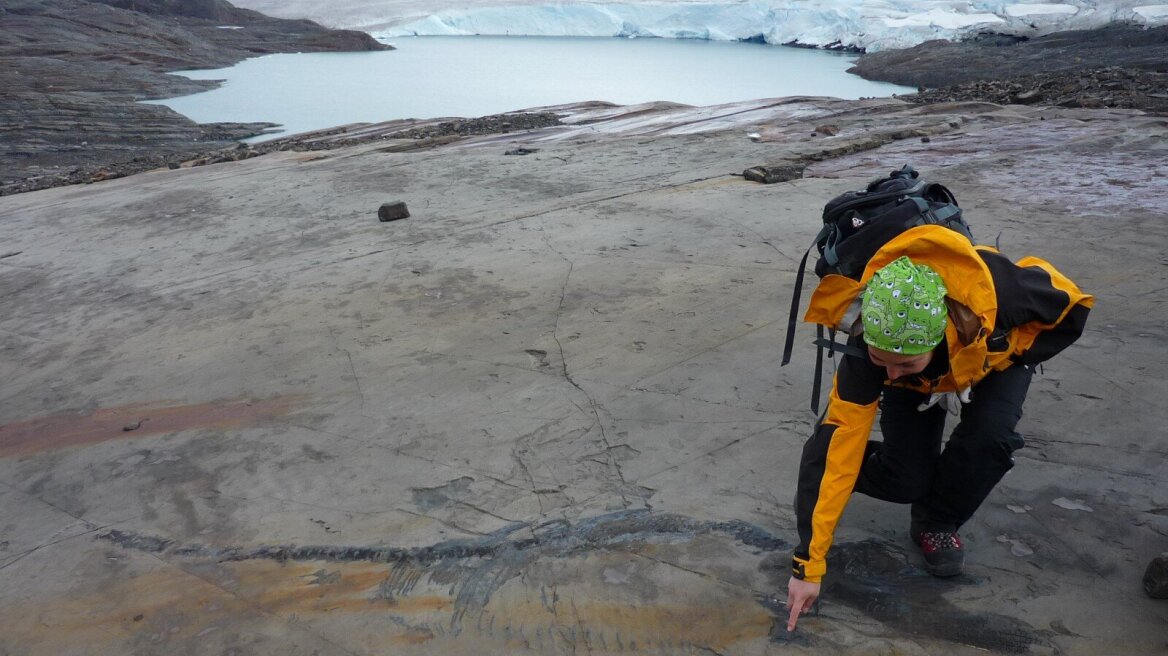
(1040, 310)
(831, 462)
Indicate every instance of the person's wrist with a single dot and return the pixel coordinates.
(808, 570)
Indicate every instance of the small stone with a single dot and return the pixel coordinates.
(393, 211)
(828, 130)
(925, 140)
(1028, 97)
(132, 426)
(773, 174)
(1156, 577)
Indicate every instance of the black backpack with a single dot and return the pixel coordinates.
(856, 224)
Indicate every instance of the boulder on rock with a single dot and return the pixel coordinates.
(393, 211)
(773, 174)
(1156, 578)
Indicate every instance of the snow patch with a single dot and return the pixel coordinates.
(1040, 10)
(1152, 13)
(1072, 504)
(944, 19)
(1017, 547)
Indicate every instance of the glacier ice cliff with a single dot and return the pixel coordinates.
(860, 24)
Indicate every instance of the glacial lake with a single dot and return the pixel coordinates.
(431, 77)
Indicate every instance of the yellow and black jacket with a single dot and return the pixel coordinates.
(1001, 314)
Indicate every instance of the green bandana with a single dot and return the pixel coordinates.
(904, 308)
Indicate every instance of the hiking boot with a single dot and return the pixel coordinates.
(944, 554)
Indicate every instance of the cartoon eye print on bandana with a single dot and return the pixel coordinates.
(902, 308)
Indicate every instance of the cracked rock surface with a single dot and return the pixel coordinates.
(544, 414)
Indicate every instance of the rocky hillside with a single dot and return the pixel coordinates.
(1124, 88)
(1116, 66)
(71, 72)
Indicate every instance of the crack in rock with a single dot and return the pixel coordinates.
(874, 578)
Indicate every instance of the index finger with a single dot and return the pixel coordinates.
(795, 608)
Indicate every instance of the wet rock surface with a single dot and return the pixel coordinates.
(73, 70)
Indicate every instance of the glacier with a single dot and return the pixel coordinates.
(868, 25)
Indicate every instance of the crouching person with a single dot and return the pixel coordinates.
(936, 324)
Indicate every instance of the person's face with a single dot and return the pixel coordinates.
(899, 364)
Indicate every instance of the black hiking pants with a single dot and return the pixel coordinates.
(945, 485)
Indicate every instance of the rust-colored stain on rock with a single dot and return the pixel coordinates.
(176, 607)
(135, 421)
(287, 589)
(169, 607)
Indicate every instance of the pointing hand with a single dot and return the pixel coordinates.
(801, 595)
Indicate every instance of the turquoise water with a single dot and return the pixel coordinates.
(430, 77)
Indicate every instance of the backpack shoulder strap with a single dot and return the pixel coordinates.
(940, 215)
(793, 319)
(833, 347)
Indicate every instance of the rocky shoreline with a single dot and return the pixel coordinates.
(1122, 88)
(424, 133)
(74, 70)
(73, 73)
(1124, 66)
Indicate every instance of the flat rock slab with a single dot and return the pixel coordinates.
(549, 417)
